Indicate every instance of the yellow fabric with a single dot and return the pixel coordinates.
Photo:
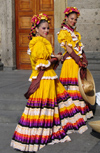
(68, 36)
(41, 50)
(43, 92)
(69, 69)
(64, 36)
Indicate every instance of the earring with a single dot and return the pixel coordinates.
(37, 33)
(66, 21)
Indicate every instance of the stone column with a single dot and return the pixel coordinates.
(7, 33)
(59, 7)
(1, 64)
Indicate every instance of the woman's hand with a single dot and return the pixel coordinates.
(42, 68)
(59, 57)
(84, 64)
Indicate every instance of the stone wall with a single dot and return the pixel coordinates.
(7, 42)
(88, 22)
(89, 26)
(59, 7)
(0, 41)
(0, 30)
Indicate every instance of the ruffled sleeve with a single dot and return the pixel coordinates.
(78, 35)
(40, 53)
(64, 36)
(78, 45)
(73, 40)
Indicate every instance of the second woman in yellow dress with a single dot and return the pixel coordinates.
(74, 57)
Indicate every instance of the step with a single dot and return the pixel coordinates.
(97, 110)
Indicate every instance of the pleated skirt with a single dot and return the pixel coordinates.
(49, 117)
(69, 79)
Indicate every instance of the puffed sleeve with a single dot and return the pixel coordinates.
(39, 54)
(64, 36)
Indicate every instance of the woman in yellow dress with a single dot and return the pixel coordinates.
(73, 58)
(50, 114)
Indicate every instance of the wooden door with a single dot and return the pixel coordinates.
(24, 10)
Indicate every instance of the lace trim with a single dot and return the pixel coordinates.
(44, 78)
(29, 52)
(74, 37)
(77, 49)
(43, 65)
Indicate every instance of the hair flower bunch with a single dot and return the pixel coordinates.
(37, 18)
(35, 22)
(68, 10)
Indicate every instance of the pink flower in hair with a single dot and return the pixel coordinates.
(34, 19)
(38, 22)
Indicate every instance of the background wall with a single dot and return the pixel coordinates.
(0, 35)
(0, 41)
(7, 35)
(88, 25)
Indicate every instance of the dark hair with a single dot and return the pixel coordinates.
(41, 21)
(71, 13)
(64, 21)
(32, 31)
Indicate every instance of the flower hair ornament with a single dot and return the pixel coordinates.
(35, 21)
(69, 10)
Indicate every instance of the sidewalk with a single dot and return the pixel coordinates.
(13, 85)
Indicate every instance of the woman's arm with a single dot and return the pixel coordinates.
(75, 56)
(84, 60)
(59, 57)
(72, 53)
(68, 48)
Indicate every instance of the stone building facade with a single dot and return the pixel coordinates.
(88, 25)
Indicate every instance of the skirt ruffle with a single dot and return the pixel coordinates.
(49, 116)
(69, 79)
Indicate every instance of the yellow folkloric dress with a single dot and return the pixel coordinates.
(50, 114)
(69, 71)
